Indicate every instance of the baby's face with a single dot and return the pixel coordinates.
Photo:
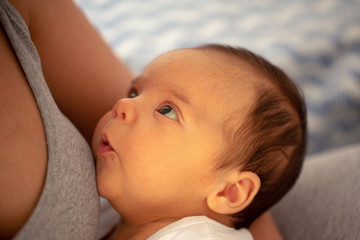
(158, 146)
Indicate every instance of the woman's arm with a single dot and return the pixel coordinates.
(83, 74)
(264, 228)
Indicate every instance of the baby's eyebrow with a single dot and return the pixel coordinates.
(180, 97)
(134, 81)
(172, 91)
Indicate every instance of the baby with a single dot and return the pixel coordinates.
(207, 140)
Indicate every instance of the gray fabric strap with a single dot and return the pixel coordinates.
(69, 205)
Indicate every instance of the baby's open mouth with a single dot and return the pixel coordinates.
(105, 145)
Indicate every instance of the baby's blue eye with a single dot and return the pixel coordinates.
(168, 111)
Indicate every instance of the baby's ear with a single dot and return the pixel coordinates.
(236, 192)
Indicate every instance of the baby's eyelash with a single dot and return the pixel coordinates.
(169, 110)
(133, 93)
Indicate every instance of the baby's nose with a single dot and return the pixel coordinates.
(125, 110)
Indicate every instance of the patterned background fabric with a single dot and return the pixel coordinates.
(316, 42)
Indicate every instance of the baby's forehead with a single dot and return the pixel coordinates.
(211, 69)
(206, 67)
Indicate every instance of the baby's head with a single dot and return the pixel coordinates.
(271, 141)
(213, 131)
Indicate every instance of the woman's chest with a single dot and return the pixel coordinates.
(23, 152)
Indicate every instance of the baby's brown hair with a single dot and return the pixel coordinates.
(271, 141)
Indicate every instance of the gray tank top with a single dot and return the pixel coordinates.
(69, 205)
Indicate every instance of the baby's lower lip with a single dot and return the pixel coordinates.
(103, 148)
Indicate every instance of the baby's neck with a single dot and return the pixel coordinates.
(138, 232)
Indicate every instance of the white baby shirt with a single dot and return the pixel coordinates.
(200, 227)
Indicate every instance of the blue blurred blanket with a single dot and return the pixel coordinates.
(316, 42)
